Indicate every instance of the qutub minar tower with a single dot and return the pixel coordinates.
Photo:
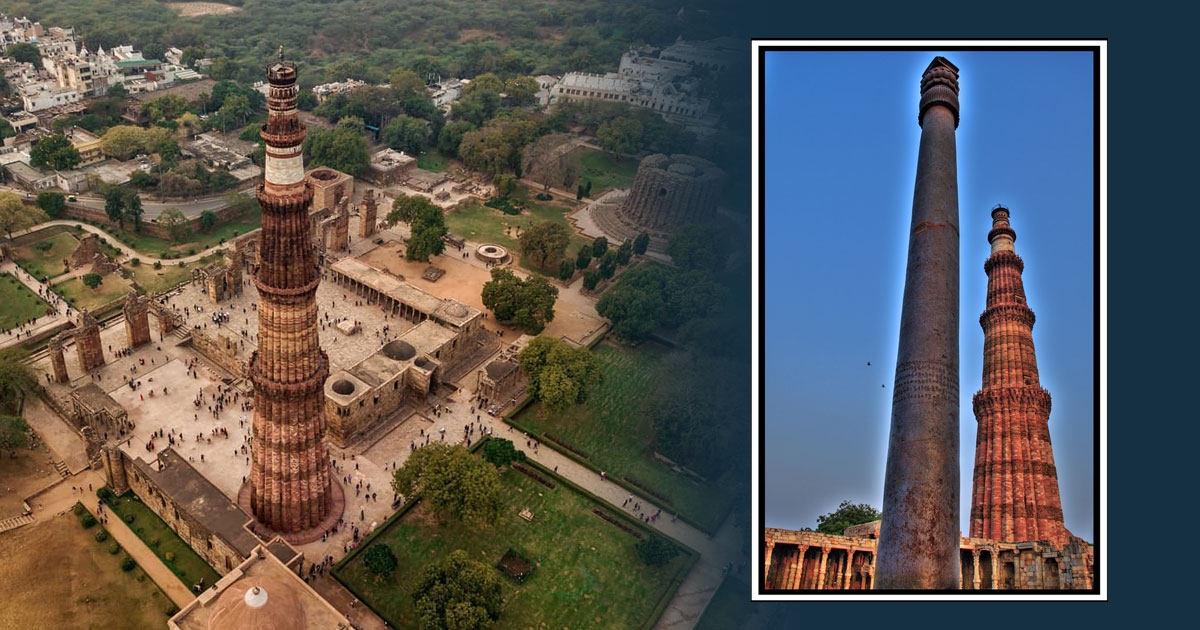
(290, 489)
(1015, 484)
(918, 538)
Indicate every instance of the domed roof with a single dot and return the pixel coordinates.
(258, 603)
(399, 350)
(455, 309)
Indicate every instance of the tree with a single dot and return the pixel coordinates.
(406, 83)
(649, 296)
(699, 246)
(584, 257)
(622, 135)
(559, 375)
(624, 253)
(55, 152)
(208, 219)
(847, 515)
(16, 379)
(545, 243)
(407, 207)
(521, 90)
(690, 413)
(405, 133)
(114, 204)
(188, 124)
(344, 148)
(92, 280)
(599, 246)
(656, 551)
(166, 107)
(52, 203)
(458, 593)
(15, 215)
(566, 269)
(133, 209)
(591, 278)
(608, 264)
(451, 136)
(24, 52)
(501, 452)
(527, 304)
(425, 237)
(546, 161)
(380, 560)
(455, 483)
(641, 243)
(173, 221)
(14, 433)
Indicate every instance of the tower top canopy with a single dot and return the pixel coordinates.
(941, 62)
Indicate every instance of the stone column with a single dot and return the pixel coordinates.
(918, 538)
(57, 361)
(975, 577)
(848, 570)
(770, 548)
(821, 571)
(996, 571)
(798, 579)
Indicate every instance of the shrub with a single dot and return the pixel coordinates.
(128, 564)
(192, 250)
(135, 261)
(105, 494)
(169, 557)
(88, 521)
(114, 549)
(44, 246)
(656, 550)
(171, 610)
(380, 560)
(101, 535)
(158, 264)
(129, 518)
(79, 510)
(154, 542)
(544, 196)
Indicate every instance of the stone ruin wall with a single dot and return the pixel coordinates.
(795, 560)
(137, 320)
(368, 215)
(218, 553)
(222, 350)
(87, 343)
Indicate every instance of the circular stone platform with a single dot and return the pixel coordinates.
(491, 253)
(303, 537)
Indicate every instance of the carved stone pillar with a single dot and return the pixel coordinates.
(975, 576)
(821, 571)
(770, 547)
(798, 579)
(848, 571)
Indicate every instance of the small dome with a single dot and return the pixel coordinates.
(343, 387)
(454, 309)
(259, 603)
(399, 350)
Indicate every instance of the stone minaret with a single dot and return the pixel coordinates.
(1014, 494)
(290, 488)
(919, 535)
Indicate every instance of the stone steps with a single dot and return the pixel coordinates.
(61, 467)
(15, 522)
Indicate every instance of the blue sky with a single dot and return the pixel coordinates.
(841, 139)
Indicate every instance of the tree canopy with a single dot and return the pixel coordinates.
(14, 432)
(405, 133)
(428, 228)
(458, 593)
(559, 375)
(454, 482)
(344, 148)
(380, 560)
(545, 243)
(16, 379)
(527, 304)
(691, 413)
(52, 203)
(24, 52)
(173, 221)
(55, 152)
(650, 296)
(699, 246)
(15, 215)
(501, 452)
(92, 280)
(847, 515)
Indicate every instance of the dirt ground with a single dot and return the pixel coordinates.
(57, 576)
(193, 9)
(574, 316)
(21, 476)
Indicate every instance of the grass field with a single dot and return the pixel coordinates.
(587, 573)
(155, 281)
(614, 429)
(161, 540)
(605, 170)
(433, 161)
(480, 223)
(153, 247)
(81, 297)
(46, 263)
(20, 304)
(57, 576)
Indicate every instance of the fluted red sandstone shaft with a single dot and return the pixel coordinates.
(918, 537)
(1014, 493)
(290, 486)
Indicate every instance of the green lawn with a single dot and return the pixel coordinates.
(605, 170)
(587, 573)
(80, 296)
(613, 428)
(20, 304)
(46, 263)
(189, 566)
(482, 224)
(155, 281)
(433, 161)
(153, 247)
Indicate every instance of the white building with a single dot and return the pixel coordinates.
(46, 94)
